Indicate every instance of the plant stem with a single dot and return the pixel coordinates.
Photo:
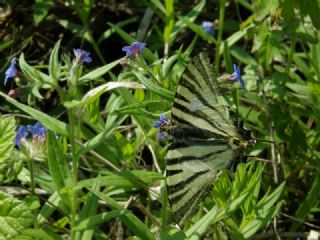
(220, 31)
(31, 170)
(75, 162)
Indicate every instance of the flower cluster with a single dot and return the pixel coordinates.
(37, 131)
(208, 27)
(164, 121)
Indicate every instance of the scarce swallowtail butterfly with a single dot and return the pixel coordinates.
(203, 138)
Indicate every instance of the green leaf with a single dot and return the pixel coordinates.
(311, 8)
(31, 73)
(199, 30)
(41, 9)
(7, 137)
(15, 216)
(89, 208)
(120, 24)
(57, 161)
(128, 218)
(310, 201)
(135, 179)
(95, 93)
(93, 75)
(39, 234)
(190, 17)
(169, 20)
(167, 94)
(197, 230)
(92, 221)
(48, 121)
(54, 66)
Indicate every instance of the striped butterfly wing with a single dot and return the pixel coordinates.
(199, 140)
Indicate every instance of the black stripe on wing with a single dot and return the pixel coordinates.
(181, 185)
(204, 158)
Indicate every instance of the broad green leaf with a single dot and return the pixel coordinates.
(48, 121)
(7, 137)
(15, 216)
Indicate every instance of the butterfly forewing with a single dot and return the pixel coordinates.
(199, 140)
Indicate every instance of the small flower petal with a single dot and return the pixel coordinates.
(157, 124)
(163, 117)
(134, 48)
(20, 135)
(208, 27)
(11, 71)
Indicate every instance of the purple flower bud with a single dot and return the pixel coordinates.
(81, 56)
(208, 27)
(157, 124)
(11, 71)
(236, 76)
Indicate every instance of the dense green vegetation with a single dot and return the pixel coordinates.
(79, 156)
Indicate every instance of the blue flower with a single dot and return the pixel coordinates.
(208, 27)
(81, 56)
(134, 48)
(21, 135)
(237, 76)
(163, 121)
(11, 71)
(37, 130)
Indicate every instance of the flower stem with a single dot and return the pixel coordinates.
(73, 132)
(220, 31)
(31, 170)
